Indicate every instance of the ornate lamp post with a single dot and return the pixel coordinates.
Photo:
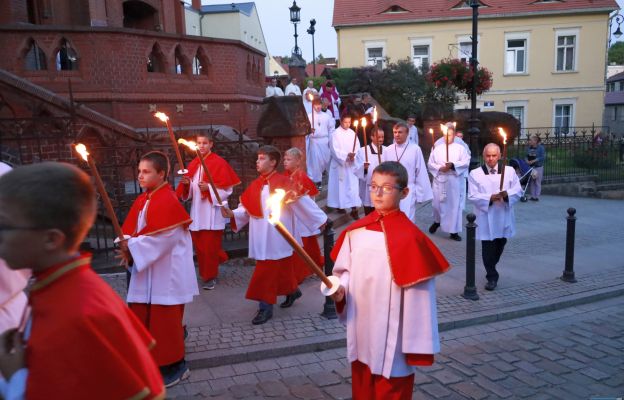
(618, 19)
(474, 121)
(294, 18)
(311, 31)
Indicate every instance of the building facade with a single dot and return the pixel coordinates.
(547, 57)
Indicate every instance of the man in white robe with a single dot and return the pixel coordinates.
(309, 94)
(273, 90)
(293, 88)
(412, 129)
(375, 146)
(493, 207)
(317, 151)
(447, 185)
(411, 157)
(459, 138)
(343, 190)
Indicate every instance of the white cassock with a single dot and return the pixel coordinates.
(384, 321)
(365, 180)
(265, 242)
(294, 89)
(464, 182)
(412, 136)
(343, 187)
(306, 101)
(163, 271)
(447, 186)
(273, 91)
(317, 145)
(496, 220)
(205, 215)
(411, 157)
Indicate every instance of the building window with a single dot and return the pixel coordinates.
(421, 52)
(518, 110)
(566, 50)
(563, 116)
(155, 61)
(464, 48)
(180, 65)
(516, 53)
(66, 57)
(620, 112)
(197, 67)
(375, 54)
(614, 113)
(35, 59)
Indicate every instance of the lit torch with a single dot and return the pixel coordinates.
(165, 118)
(330, 284)
(504, 135)
(82, 150)
(310, 97)
(432, 139)
(193, 146)
(444, 129)
(365, 145)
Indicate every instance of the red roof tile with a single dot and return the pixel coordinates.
(366, 12)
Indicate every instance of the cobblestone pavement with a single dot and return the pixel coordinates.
(573, 353)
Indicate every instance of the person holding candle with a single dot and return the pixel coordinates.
(376, 150)
(317, 151)
(273, 275)
(458, 137)
(411, 157)
(447, 164)
(343, 184)
(160, 253)
(208, 223)
(309, 94)
(493, 207)
(77, 339)
(387, 269)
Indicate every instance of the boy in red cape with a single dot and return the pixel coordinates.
(386, 267)
(208, 223)
(81, 340)
(273, 275)
(302, 186)
(160, 250)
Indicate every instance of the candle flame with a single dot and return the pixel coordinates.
(275, 205)
(188, 143)
(444, 129)
(310, 96)
(503, 134)
(454, 124)
(363, 122)
(356, 123)
(82, 150)
(161, 116)
(431, 130)
(374, 114)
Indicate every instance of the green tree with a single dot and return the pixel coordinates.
(616, 53)
(320, 59)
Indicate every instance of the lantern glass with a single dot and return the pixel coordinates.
(294, 12)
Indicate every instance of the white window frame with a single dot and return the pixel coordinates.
(564, 102)
(519, 103)
(576, 32)
(421, 42)
(372, 44)
(517, 36)
(468, 38)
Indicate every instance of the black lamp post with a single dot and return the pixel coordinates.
(618, 19)
(294, 18)
(474, 121)
(311, 31)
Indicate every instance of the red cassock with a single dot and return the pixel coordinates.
(303, 185)
(222, 174)
(85, 343)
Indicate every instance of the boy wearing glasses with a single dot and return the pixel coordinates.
(82, 340)
(386, 297)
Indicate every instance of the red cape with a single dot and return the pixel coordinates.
(302, 185)
(251, 197)
(85, 343)
(164, 212)
(413, 257)
(222, 174)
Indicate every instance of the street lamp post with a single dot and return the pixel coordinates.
(474, 121)
(311, 31)
(618, 18)
(294, 18)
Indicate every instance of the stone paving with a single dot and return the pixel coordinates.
(575, 353)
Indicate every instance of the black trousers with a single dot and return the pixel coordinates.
(491, 251)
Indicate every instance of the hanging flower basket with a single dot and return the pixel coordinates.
(456, 73)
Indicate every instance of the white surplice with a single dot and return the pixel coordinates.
(343, 187)
(163, 271)
(205, 215)
(412, 135)
(317, 145)
(365, 180)
(294, 89)
(464, 182)
(411, 157)
(447, 186)
(384, 322)
(496, 220)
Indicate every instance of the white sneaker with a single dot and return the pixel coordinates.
(209, 285)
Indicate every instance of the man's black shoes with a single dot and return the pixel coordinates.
(434, 227)
(262, 317)
(290, 299)
(491, 285)
(455, 237)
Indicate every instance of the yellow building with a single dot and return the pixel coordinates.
(547, 57)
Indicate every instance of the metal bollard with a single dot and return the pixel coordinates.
(470, 290)
(329, 308)
(568, 272)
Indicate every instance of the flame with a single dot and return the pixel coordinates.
(356, 123)
(363, 122)
(310, 96)
(82, 150)
(431, 131)
(188, 143)
(374, 114)
(503, 134)
(161, 116)
(454, 124)
(444, 129)
(275, 205)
